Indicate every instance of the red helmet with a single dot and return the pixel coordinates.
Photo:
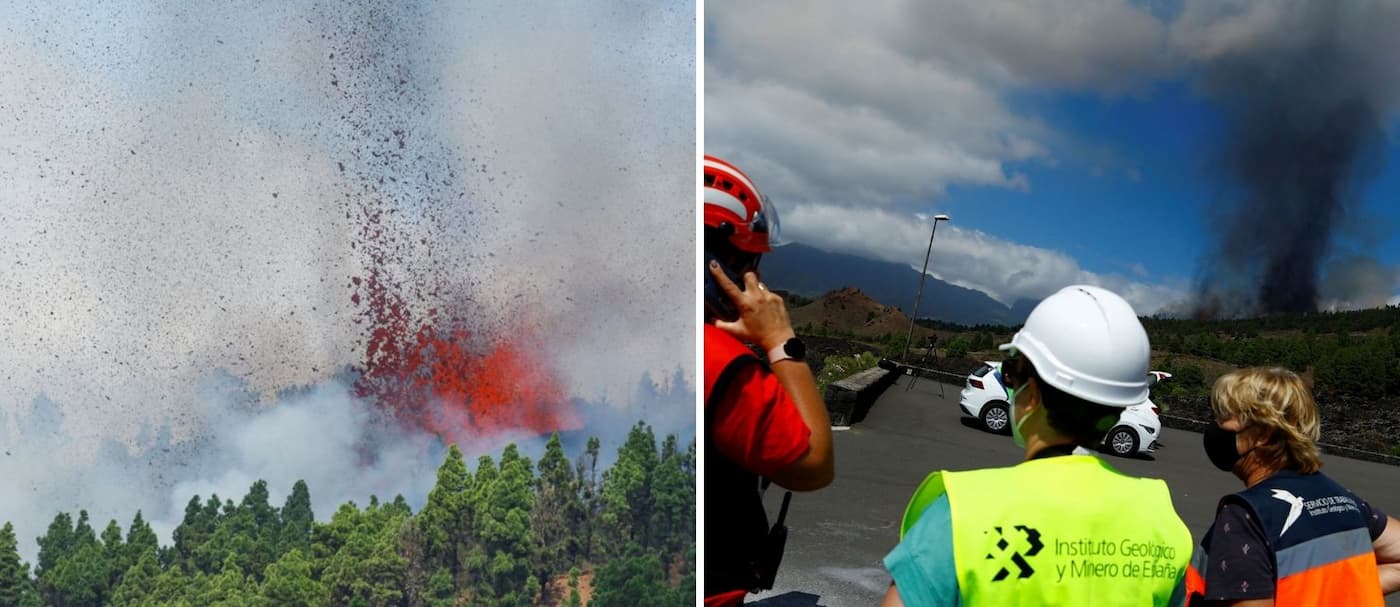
(731, 199)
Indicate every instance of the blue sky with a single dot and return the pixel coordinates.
(1084, 149)
(1137, 177)
(1128, 194)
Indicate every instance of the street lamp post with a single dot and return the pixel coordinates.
(920, 295)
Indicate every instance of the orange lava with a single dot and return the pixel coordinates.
(452, 383)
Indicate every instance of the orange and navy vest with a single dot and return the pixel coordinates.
(736, 538)
(1319, 539)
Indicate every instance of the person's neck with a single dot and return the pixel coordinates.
(1036, 443)
(1252, 474)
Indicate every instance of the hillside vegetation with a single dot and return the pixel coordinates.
(510, 533)
(1352, 359)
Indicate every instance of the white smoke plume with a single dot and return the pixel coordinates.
(182, 191)
(317, 436)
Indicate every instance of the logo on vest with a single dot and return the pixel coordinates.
(1019, 560)
(1295, 508)
(1101, 557)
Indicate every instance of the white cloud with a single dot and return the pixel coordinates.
(969, 258)
(884, 108)
(898, 100)
(1108, 46)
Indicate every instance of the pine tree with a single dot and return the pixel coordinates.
(401, 505)
(503, 524)
(138, 582)
(633, 580)
(480, 558)
(297, 520)
(446, 520)
(140, 538)
(367, 566)
(172, 586)
(574, 599)
(672, 521)
(290, 583)
(14, 575)
(626, 500)
(587, 473)
(193, 533)
(57, 543)
(230, 588)
(114, 553)
(440, 589)
(261, 525)
(80, 579)
(558, 513)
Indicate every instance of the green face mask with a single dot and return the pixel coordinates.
(1016, 435)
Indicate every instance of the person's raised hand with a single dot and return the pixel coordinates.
(763, 317)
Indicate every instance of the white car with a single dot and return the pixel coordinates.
(984, 398)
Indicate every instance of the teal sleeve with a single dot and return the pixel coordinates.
(922, 565)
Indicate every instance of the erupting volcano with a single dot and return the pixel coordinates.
(423, 361)
(437, 376)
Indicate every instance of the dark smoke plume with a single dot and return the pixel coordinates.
(1304, 134)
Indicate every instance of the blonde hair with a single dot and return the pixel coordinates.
(1272, 399)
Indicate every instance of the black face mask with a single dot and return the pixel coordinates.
(1220, 447)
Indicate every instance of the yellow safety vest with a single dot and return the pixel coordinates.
(1067, 530)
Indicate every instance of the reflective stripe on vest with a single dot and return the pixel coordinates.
(1322, 547)
(1067, 530)
(1334, 569)
(1324, 550)
(1340, 567)
(1195, 581)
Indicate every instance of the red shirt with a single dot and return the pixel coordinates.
(733, 598)
(756, 424)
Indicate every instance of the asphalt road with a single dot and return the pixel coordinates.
(839, 536)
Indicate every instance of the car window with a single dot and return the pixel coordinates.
(982, 370)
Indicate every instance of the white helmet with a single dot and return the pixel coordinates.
(1086, 341)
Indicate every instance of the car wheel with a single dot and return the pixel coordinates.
(996, 418)
(1122, 441)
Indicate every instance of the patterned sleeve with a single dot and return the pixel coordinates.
(1239, 566)
(1375, 519)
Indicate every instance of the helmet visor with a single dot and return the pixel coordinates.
(766, 222)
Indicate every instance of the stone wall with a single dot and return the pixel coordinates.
(848, 400)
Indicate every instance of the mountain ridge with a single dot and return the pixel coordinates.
(811, 272)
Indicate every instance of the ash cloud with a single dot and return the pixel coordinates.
(1305, 95)
(185, 203)
(322, 435)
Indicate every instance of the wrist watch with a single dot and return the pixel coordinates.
(792, 349)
